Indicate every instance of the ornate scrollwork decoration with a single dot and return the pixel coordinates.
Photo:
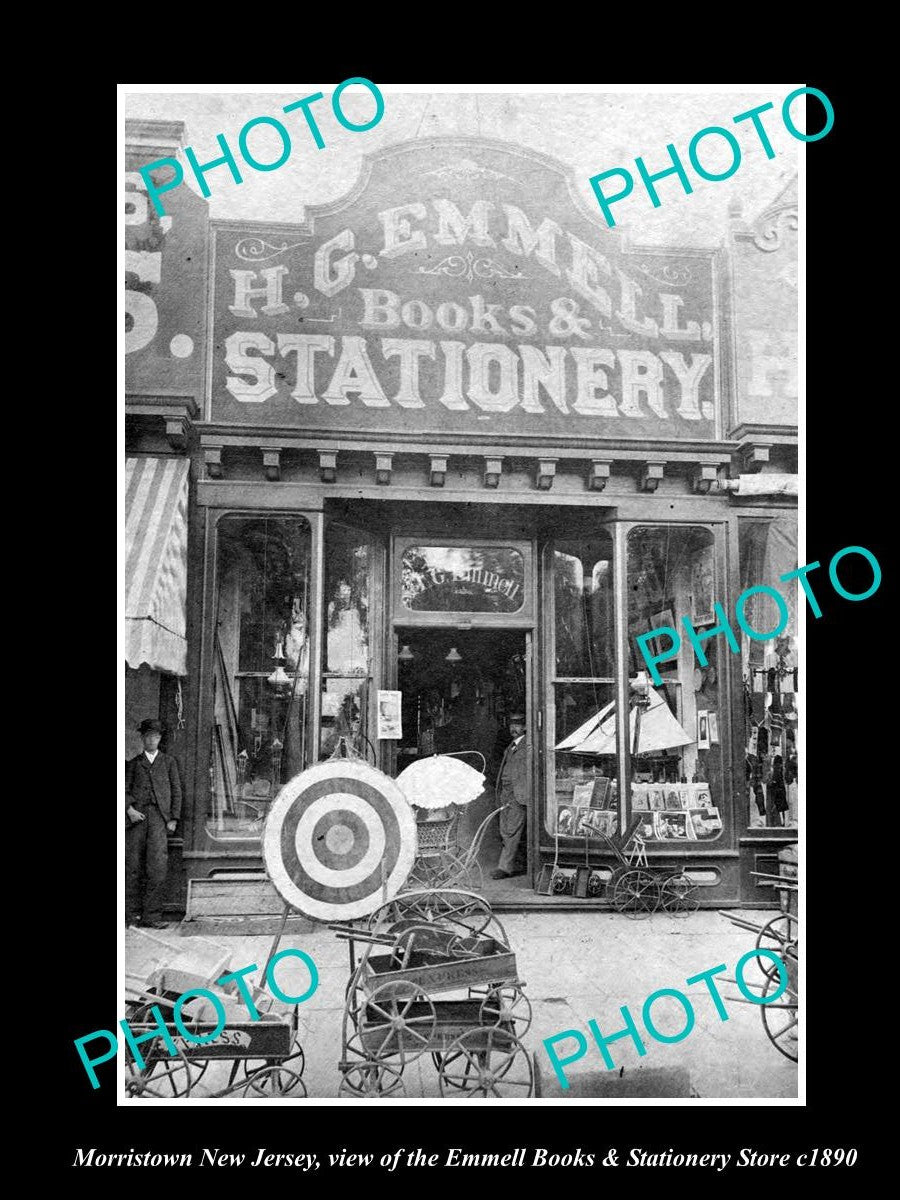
(772, 227)
(665, 273)
(255, 250)
(468, 267)
(467, 168)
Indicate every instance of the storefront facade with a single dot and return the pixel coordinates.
(460, 443)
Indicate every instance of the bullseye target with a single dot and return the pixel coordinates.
(339, 840)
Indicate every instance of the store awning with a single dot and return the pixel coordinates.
(156, 497)
(659, 730)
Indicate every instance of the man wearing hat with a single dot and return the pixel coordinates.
(512, 791)
(152, 809)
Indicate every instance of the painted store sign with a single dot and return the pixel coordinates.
(462, 287)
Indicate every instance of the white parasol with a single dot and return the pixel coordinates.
(659, 730)
(439, 781)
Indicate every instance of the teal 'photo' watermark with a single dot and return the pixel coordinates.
(697, 638)
(604, 1040)
(161, 1030)
(251, 157)
(753, 115)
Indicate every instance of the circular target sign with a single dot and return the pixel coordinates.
(339, 840)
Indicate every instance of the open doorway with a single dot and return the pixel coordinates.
(460, 688)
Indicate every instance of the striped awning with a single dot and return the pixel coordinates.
(156, 498)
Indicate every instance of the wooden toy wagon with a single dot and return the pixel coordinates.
(265, 1057)
(436, 976)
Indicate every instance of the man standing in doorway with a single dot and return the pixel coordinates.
(513, 792)
(152, 810)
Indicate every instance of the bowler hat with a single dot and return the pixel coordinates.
(149, 725)
(517, 716)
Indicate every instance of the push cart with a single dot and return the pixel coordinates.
(266, 1057)
(436, 976)
(637, 890)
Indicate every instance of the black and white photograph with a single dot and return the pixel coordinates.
(435, 398)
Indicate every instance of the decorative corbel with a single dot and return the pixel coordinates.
(328, 465)
(753, 456)
(704, 478)
(651, 474)
(438, 470)
(176, 432)
(493, 468)
(383, 463)
(272, 464)
(546, 474)
(212, 457)
(599, 476)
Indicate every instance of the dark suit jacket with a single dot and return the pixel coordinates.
(158, 784)
(512, 778)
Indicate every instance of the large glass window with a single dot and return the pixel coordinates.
(260, 668)
(346, 669)
(581, 755)
(768, 550)
(678, 728)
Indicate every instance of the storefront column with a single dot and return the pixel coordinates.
(623, 732)
(317, 593)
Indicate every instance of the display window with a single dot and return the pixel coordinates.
(768, 550)
(677, 728)
(260, 676)
(583, 791)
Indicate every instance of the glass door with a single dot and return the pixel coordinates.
(353, 588)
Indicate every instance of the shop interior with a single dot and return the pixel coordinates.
(459, 688)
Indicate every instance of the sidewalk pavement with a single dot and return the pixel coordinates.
(576, 966)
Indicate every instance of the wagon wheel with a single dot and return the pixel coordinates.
(679, 896)
(781, 934)
(354, 1002)
(615, 876)
(276, 1080)
(780, 1017)
(486, 1062)
(296, 1060)
(636, 894)
(399, 1020)
(163, 1079)
(506, 1006)
(371, 1079)
(447, 907)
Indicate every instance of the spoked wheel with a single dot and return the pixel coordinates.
(679, 896)
(295, 1062)
(486, 1062)
(508, 1007)
(636, 894)
(451, 907)
(780, 1017)
(781, 935)
(398, 1021)
(163, 1079)
(274, 1081)
(371, 1079)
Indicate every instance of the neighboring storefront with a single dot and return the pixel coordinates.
(165, 276)
(462, 443)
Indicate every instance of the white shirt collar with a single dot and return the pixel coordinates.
(150, 756)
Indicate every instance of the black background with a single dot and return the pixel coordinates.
(847, 695)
